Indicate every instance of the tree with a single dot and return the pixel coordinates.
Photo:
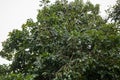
(68, 41)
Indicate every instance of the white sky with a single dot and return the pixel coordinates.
(13, 13)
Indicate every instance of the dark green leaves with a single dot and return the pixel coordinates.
(69, 41)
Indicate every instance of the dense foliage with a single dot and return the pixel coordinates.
(69, 41)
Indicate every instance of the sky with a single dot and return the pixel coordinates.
(13, 13)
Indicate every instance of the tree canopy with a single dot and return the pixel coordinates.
(69, 41)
